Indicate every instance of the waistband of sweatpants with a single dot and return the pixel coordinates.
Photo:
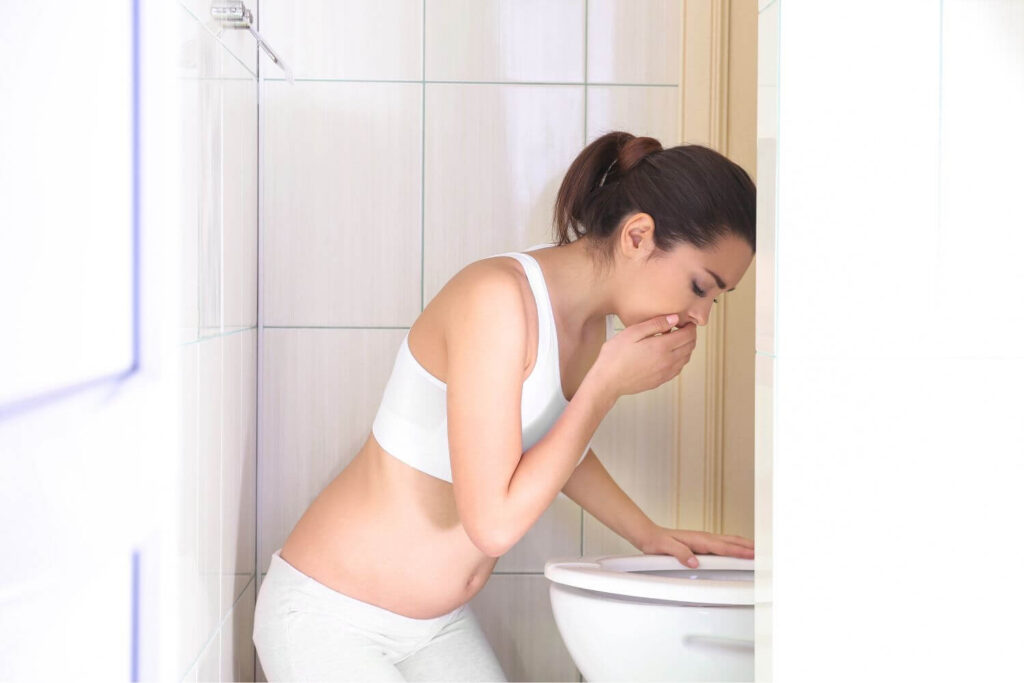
(353, 609)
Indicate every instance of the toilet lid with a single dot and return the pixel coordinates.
(719, 580)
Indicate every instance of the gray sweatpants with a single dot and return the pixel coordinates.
(305, 631)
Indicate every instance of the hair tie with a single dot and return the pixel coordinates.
(601, 184)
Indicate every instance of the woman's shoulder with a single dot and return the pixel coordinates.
(501, 279)
(483, 276)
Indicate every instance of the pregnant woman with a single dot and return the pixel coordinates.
(489, 412)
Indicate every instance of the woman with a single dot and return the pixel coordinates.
(497, 389)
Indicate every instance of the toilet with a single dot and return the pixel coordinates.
(651, 618)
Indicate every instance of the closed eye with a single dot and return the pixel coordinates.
(700, 292)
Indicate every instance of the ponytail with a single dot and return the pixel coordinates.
(693, 193)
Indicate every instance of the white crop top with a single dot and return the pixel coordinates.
(412, 422)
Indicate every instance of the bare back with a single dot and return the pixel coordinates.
(388, 534)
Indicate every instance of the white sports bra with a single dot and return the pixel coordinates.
(412, 422)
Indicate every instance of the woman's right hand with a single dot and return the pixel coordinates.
(645, 355)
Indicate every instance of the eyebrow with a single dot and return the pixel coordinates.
(719, 281)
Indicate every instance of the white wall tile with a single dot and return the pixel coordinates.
(381, 40)
(194, 615)
(634, 42)
(237, 651)
(495, 155)
(343, 170)
(514, 611)
(238, 165)
(641, 110)
(208, 666)
(199, 542)
(211, 212)
(505, 40)
(208, 477)
(238, 468)
(189, 207)
(218, 210)
(321, 391)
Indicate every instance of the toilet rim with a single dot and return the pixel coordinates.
(625, 575)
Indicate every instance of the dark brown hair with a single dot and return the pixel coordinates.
(693, 193)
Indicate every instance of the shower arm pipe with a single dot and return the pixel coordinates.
(262, 43)
(234, 14)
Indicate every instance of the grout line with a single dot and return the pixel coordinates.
(219, 335)
(337, 327)
(425, 80)
(217, 79)
(257, 450)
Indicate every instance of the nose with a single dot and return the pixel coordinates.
(700, 315)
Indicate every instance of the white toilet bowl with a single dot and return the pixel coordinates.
(650, 618)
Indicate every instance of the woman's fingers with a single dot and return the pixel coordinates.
(739, 540)
(723, 547)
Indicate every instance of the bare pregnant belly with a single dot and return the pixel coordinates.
(387, 534)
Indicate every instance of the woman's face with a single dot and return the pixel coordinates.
(685, 281)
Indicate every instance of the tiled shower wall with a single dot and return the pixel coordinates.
(215, 563)
(420, 136)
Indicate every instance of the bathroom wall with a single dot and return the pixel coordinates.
(418, 137)
(889, 330)
(764, 382)
(216, 494)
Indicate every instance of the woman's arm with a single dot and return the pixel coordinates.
(596, 492)
(545, 467)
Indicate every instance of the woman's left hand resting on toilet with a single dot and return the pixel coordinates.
(683, 544)
(596, 492)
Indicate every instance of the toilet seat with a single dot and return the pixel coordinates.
(627, 575)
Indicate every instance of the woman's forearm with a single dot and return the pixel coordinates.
(546, 466)
(596, 492)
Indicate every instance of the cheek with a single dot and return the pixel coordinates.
(660, 297)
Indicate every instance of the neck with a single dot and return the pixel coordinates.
(580, 297)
